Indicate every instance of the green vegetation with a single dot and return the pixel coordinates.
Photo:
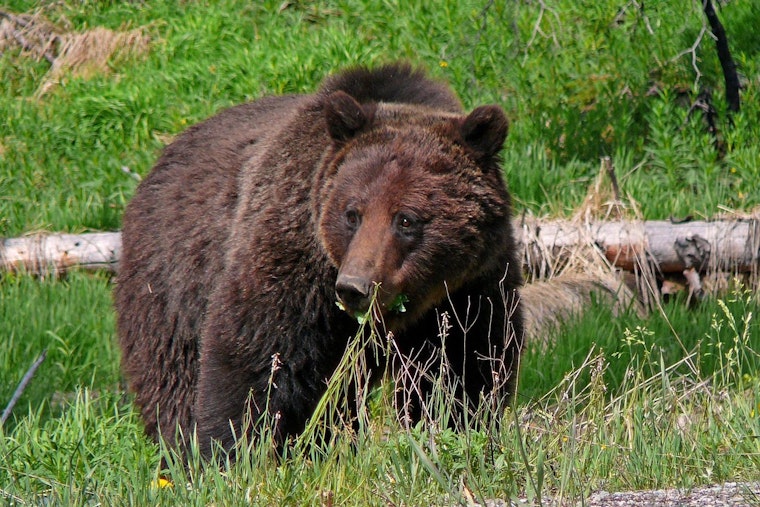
(612, 402)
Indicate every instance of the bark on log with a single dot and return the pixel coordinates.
(724, 245)
(56, 253)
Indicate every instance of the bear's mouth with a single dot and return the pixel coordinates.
(373, 307)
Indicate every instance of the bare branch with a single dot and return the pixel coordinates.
(22, 385)
(724, 55)
(537, 25)
(25, 44)
(693, 52)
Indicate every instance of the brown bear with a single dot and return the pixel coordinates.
(262, 231)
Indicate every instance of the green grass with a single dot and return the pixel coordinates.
(73, 319)
(612, 402)
(617, 406)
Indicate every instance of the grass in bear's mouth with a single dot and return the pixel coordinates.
(396, 306)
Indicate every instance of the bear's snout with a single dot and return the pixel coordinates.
(354, 292)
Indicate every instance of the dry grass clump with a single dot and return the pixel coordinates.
(89, 53)
(70, 53)
(31, 32)
(564, 282)
(602, 203)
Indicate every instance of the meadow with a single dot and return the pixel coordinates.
(613, 402)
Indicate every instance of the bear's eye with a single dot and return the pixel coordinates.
(408, 226)
(353, 219)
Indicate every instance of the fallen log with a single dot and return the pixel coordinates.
(731, 245)
(45, 254)
(718, 245)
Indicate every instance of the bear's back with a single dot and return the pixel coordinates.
(397, 83)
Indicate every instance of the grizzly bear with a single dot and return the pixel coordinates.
(262, 231)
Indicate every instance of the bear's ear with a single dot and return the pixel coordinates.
(344, 115)
(484, 131)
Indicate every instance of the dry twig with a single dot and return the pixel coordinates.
(21, 386)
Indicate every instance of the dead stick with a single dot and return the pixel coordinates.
(727, 63)
(25, 44)
(22, 385)
(607, 161)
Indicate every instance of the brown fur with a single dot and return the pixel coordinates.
(237, 242)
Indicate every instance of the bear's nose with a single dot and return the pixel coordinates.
(353, 292)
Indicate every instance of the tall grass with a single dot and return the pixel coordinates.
(618, 414)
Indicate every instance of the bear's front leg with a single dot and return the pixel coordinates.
(264, 392)
(469, 356)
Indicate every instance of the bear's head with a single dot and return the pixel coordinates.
(413, 204)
